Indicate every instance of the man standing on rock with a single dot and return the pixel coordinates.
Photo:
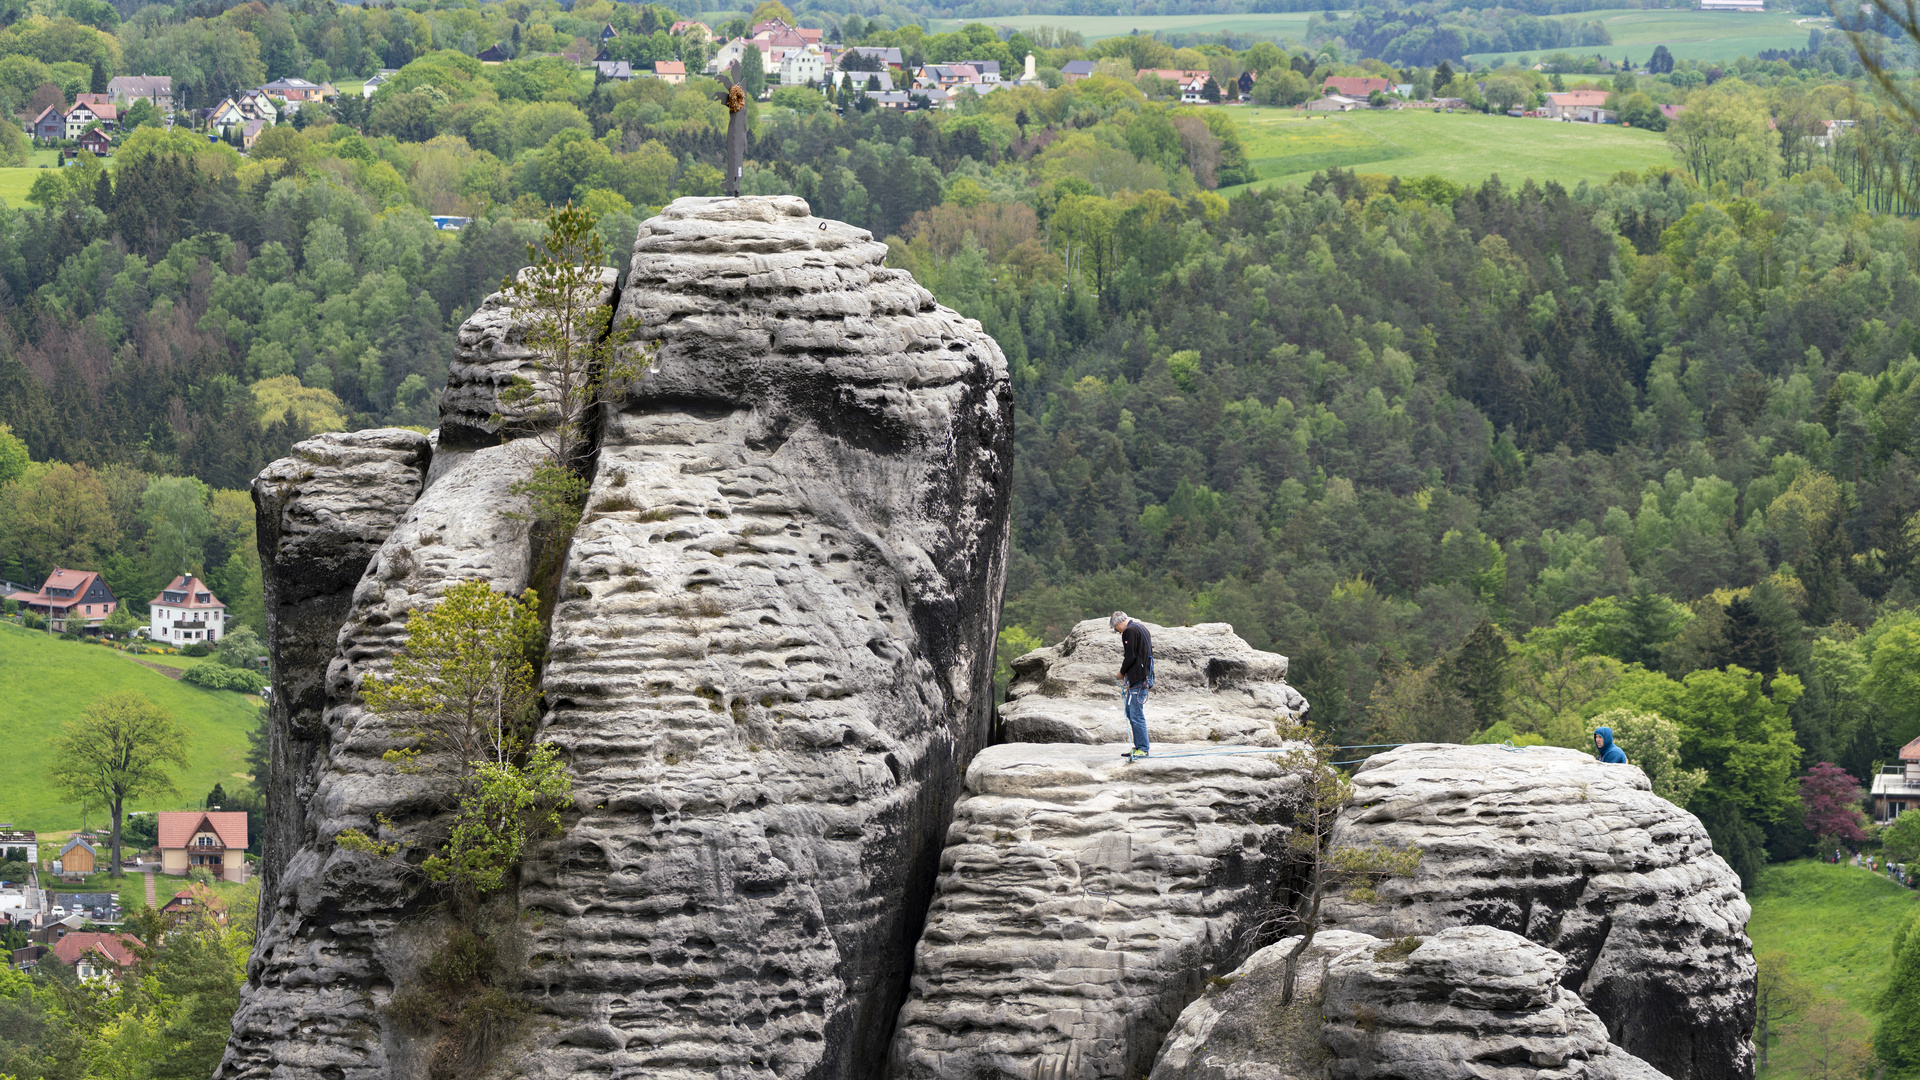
(1136, 677)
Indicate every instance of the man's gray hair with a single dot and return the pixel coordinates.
(1114, 620)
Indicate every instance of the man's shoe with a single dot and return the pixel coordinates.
(1136, 754)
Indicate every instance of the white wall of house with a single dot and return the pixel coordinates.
(162, 628)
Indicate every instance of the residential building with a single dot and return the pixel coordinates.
(803, 67)
(686, 26)
(78, 856)
(251, 134)
(96, 142)
(51, 124)
(19, 845)
(199, 900)
(616, 70)
(71, 600)
(1075, 70)
(186, 611)
(368, 88)
(729, 54)
(258, 106)
(1896, 788)
(1585, 106)
(82, 113)
(989, 69)
(295, 91)
(494, 54)
(864, 80)
(126, 89)
(672, 71)
(891, 99)
(1355, 87)
(210, 840)
(95, 955)
(946, 75)
(1333, 103)
(1180, 76)
(608, 33)
(779, 35)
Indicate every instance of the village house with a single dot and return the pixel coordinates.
(211, 840)
(1075, 70)
(870, 55)
(803, 67)
(670, 71)
(50, 125)
(687, 26)
(495, 54)
(78, 856)
(1896, 788)
(1355, 87)
(124, 90)
(295, 91)
(379, 80)
(83, 113)
(729, 54)
(251, 134)
(19, 845)
(615, 70)
(96, 142)
(1585, 106)
(74, 600)
(881, 81)
(945, 75)
(186, 611)
(96, 955)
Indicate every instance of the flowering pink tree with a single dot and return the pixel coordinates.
(1832, 798)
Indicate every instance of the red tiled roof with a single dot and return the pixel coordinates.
(1577, 98)
(180, 902)
(177, 827)
(1356, 87)
(115, 947)
(79, 581)
(669, 67)
(1911, 751)
(193, 587)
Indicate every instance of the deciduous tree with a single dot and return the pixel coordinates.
(119, 749)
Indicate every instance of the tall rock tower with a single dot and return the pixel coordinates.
(769, 663)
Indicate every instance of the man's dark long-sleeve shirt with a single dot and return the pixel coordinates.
(1137, 658)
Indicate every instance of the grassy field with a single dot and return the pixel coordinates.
(50, 681)
(1094, 27)
(1688, 35)
(1287, 147)
(1833, 925)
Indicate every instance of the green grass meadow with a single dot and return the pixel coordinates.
(1834, 926)
(49, 682)
(1288, 147)
(1278, 26)
(1688, 35)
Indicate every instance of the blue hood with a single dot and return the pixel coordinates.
(1608, 752)
(1606, 738)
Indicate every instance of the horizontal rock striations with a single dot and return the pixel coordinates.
(323, 514)
(341, 931)
(1083, 901)
(771, 658)
(1209, 685)
(1583, 858)
(1467, 1003)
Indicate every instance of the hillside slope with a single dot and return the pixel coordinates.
(49, 682)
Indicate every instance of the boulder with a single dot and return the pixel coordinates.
(1083, 901)
(1209, 685)
(1583, 858)
(1467, 1003)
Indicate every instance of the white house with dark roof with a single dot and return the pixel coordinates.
(186, 611)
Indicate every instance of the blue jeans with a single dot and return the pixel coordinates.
(1135, 698)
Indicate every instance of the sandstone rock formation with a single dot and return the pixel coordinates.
(324, 512)
(1209, 686)
(490, 352)
(1583, 858)
(1083, 901)
(770, 660)
(1467, 1003)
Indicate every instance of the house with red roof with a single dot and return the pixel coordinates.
(96, 955)
(76, 600)
(210, 840)
(1355, 87)
(1586, 106)
(186, 611)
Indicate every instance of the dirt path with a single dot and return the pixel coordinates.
(153, 895)
(170, 672)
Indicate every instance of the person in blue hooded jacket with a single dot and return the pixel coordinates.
(1603, 745)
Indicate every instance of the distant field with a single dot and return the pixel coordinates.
(1095, 27)
(50, 681)
(1287, 147)
(1688, 35)
(1833, 925)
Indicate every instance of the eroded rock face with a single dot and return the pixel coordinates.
(490, 352)
(772, 655)
(1209, 685)
(1581, 857)
(770, 661)
(323, 513)
(1083, 901)
(1467, 1003)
